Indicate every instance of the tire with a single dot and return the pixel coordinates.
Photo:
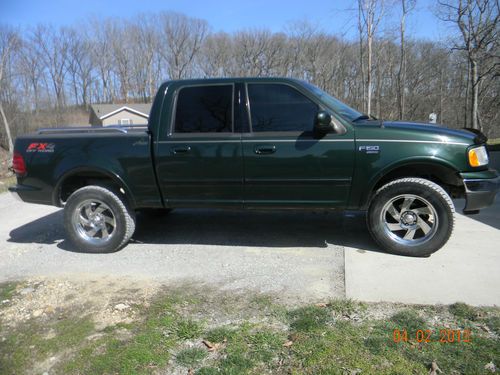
(411, 216)
(98, 220)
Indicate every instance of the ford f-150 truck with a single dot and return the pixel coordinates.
(261, 143)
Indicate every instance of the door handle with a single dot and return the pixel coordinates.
(181, 150)
(263, 150)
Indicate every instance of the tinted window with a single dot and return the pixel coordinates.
(277, 107)
(204, 109)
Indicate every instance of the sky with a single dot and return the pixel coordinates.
(332, 16)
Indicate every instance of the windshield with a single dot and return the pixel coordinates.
(342, 109)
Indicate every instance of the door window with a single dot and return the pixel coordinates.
(277, 107)
(204, 109)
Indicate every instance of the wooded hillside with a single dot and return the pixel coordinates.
(47, 73)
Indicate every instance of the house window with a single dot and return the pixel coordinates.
(124, 121)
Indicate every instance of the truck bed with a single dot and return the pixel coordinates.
(120, 153)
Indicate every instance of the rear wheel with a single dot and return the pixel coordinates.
(411, 216)
(98, 220)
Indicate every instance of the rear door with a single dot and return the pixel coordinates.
(285, 163)
(200, 161)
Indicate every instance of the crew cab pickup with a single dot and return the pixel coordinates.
(260, 143)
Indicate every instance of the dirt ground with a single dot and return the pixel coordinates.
(4, 164)
(129, 326)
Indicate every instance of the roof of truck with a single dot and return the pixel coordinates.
(234, 79)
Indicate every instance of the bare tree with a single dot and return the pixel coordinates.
(217, 59)
(386, 72)
(371, 12)
(102, 58)
(52, 50)
(180, 42)
(31, 70)
(145, 44)
(478, 22)
(406, 7)
(9, 43)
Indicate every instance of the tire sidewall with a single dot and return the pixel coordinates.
(104, 196)
(443, 211)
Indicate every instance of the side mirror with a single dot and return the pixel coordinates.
(323, 122)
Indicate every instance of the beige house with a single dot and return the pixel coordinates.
(119, 114)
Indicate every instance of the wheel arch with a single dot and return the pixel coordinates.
(78, 177)
(437, 170)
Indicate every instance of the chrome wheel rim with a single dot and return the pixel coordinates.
(409, 219)
(94, 221)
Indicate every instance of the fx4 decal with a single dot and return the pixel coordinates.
(41, 147)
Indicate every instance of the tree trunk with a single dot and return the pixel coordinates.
(441, 98)
(467, 89)
(402, 66)
(7, 131)
(369, 78)
(475, 93)
(361, 59)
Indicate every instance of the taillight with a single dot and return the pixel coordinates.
(18, 164)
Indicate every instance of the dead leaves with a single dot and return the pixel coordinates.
(322, 304)
(291, 339)
(213, 347)
(434, 368)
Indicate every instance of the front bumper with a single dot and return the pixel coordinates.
(480, 193)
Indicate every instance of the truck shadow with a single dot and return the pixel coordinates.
(489, 216)
(224, 228)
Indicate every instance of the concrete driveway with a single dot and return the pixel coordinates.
(466, 269)
(298, 256)
(295, 255)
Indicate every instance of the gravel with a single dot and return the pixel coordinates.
(296, 255)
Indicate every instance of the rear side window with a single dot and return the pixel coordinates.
(276, 107)
(204, 109)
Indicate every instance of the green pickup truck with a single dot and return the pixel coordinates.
(259, 143)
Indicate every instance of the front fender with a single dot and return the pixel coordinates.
(360, 197)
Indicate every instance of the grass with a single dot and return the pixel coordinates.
(191, 357)
(30, 343)
(7, 290)
(5, 183)
(255, 336)
(463, 311)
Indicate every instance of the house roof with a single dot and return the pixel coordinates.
(103, 111)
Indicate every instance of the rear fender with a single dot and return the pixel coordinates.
(74, 172)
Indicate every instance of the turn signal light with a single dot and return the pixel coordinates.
(478, 156)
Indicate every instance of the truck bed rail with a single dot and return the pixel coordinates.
(93, 129)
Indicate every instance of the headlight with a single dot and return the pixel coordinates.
(478, 156)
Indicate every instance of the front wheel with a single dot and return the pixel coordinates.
(98, 220)
(411, 216)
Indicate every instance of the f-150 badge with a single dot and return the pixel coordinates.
(370, 149)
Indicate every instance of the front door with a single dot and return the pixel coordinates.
(200, 161)
(285, 164)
